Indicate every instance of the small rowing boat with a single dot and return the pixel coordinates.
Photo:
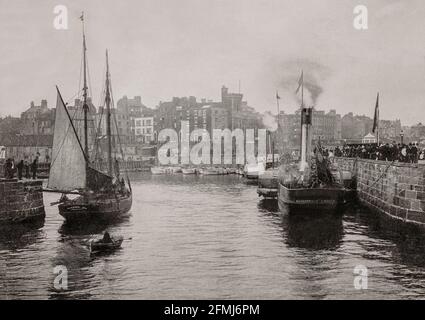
(101, 245)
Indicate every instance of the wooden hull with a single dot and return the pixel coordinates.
(104, 209)
(231, 170)
(252, 175)
(311, 200)
(267, 192)
(175, 170)
(98, 246)
(268, 184)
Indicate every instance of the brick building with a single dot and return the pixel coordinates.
(38, 120)
(229, 113)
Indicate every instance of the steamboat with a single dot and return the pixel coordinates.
(313, 184)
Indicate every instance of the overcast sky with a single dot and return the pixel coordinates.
(164, 48)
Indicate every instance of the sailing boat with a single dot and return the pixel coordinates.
(101, 196)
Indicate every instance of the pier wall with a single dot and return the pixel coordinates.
(395, 189)
(20, 200)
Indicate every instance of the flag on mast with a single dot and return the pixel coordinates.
(277, 95)
(82, 16)
(300, 81)
(376, 115)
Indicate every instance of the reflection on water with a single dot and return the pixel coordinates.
(199, 237)
(18, 236)
(313, 232)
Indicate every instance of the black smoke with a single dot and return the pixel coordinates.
(314, 74)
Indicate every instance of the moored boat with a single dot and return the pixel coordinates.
(312, 200)
(175, 170)
(253, 171)
(101, 195)
(189, 170)
(158, 170)
(268, 183)
(231, 170)
(211, 171)
(311, 186)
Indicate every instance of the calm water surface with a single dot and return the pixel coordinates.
(192, 237)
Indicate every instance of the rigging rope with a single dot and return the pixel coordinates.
(382, 175)
(118, 135)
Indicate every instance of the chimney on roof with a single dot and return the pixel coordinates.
(224, 93)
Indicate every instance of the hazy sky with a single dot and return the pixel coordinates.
(165, 48)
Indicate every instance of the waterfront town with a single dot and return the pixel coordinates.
(31, 134)
(235, 151)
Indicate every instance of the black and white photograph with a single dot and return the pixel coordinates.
(212, 150)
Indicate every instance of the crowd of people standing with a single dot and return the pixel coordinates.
(22, 169)
(408, 153)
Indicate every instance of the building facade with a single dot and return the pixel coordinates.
(326, 127)
(129, 110)
(38, 120)
(229, 113)
(144, 129)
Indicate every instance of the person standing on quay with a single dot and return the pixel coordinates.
(9, 169)
(34, 168)
(27, 169)
(20, 167)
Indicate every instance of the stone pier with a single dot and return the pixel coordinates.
(395, 189)
(21, 201)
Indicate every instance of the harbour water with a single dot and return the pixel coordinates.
(194, 237)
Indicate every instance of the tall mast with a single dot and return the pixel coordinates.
(301, 85)
(302, 90)
(108, 117)
(85, 106)
(278, 135)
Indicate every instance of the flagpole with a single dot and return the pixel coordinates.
(377, 118)
(277, 102)
(302, 89)
(377, 135)
(377, 123)
(278, 121)
(377, 132)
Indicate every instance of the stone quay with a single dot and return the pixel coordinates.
(21, 201)
(393, 188)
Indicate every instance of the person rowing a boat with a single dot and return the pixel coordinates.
(106, 238)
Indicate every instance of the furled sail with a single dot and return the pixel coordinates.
(68, 166)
